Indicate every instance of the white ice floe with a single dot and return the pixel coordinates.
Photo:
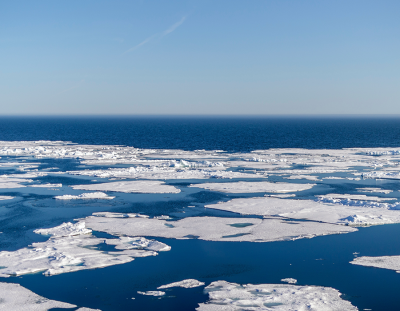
(280, 297)
(85, 196)
(188, 283)
(14, 297)
(384, 262)
(137, 186)
(252, 187)
(47, 185)
(61, 254)
(9, 181)
(329, 210)
(308, 177)
(215, 228)
(156, 293)
(163, 173)
(6, 197)
(358, 197)
(289, 280)
(65, 229)
(374, 190)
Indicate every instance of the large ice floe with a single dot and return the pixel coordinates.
(252, 187)
(213, 228)
(72, 248)
(137, 186)
(280, 297)
(384, 262)
(14, 297)
(326, 209)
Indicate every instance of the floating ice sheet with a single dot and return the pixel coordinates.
(14, 297)
(232, 296)
(138, 186)
(329, 210)
(358, 197)
(61, 254)
(188, 283)
(252, 187)
(374, 190)
(384, 262)
(65, 229)
(215, 228)
(47, 185)
(289, 280)
(85, 196)
(5, 197)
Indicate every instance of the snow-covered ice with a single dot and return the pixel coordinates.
(289, 280)
(329, 210)
(137, 186)
(156, 293)
(6, 197)
(47, 185)
(188, 283)
(252, 187)
(61, 254)
(215, 228)
(280, 297)
(65, 229)
(384, 262)
(85, 196)
(14, 297)
(374, 190)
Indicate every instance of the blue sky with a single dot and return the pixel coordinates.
(199, 57)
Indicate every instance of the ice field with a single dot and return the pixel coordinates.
(67, 208)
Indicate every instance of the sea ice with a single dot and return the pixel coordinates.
(252, 187)
(329, 210)
(137, 186)
(65, 229)
(188, 283)
(280, 297)
(14, 297)
(61, 254)
(47, 185)
(374, 190)
(85, 196)
(289, 280)
(384, 262)
(215, 228)
(5, 197)
(358, 197)
(155, 293)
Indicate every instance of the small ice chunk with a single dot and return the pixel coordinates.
(372, 190)
(85, 196)
(188, 283)
(289, 280)
(138, 243)
(155, 293)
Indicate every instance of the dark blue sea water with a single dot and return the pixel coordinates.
(318, 261)
(233, 134)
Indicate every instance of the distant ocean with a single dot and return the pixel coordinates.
(232, 134)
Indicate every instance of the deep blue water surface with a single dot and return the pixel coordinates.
(223, 133)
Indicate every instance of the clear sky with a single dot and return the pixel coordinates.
(199, 57)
